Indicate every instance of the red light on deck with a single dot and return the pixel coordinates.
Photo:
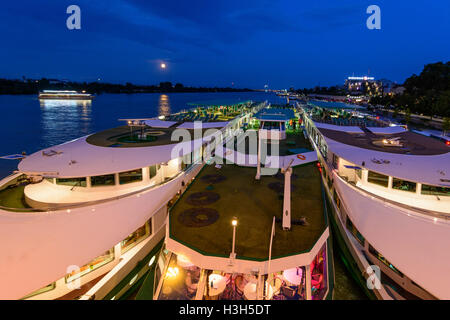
(447, 142)
(318, 164)
(378, 118)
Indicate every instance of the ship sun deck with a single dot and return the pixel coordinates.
(157, 132)
(201, 220)
(219, 195)
(125, 137)
(294, 143)
(402, 143)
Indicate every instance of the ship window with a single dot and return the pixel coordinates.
(78, 182)
(136, 237)
(436, 191)
(351, 227)
(130, 176)
(324, 150)
(187, 161)
(108, 256)
(337, 200)
(403, 185)
(154, 170)
(377, 178)
(329, 182)
(359, 173)
(323, 171)
(47, 288)
(335, 161)
(380, 257)
(106, 180)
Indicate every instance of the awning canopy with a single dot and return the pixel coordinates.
(156, 123)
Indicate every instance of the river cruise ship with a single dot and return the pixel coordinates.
(388, 190)
(76, 218)
(252, 225)
(64, 95)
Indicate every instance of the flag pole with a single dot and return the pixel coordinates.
(272, 234)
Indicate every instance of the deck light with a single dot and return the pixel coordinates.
(163, 65)
(133, 279)
(172, 272)
(234, 224)
(151, 261)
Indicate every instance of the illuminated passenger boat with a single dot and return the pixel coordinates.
(252, 228)
(65, 94)
(389, 191)
(77, 217)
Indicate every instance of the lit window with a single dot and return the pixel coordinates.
(377, 178)
(136, 237)
(403, 185)
(130, 176)
(380, 257)
(76, 182)
(98, 262)
(435, 190)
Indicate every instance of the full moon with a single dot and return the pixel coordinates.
(163, 65)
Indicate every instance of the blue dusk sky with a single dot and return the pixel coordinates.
(216, 43)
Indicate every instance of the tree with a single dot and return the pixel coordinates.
(395, 113)
(446, 125)
(408, 116)
(442, 104)
(429, 92)
(166, 85)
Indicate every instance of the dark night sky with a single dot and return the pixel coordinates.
(212, 42)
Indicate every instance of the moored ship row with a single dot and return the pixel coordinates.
(229, 203)
(253, 225)
(92, 208)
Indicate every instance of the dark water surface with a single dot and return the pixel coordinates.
(30, 125)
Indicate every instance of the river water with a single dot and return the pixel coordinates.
(30, 125)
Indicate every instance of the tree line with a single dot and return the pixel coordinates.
(29, 86)
(427, 93)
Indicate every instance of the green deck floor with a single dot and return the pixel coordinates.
(255, 205)
(13, 198)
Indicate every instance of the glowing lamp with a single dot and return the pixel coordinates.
(172, 272)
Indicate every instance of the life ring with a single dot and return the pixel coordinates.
(301, 157)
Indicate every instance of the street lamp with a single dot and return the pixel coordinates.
(234, 223)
